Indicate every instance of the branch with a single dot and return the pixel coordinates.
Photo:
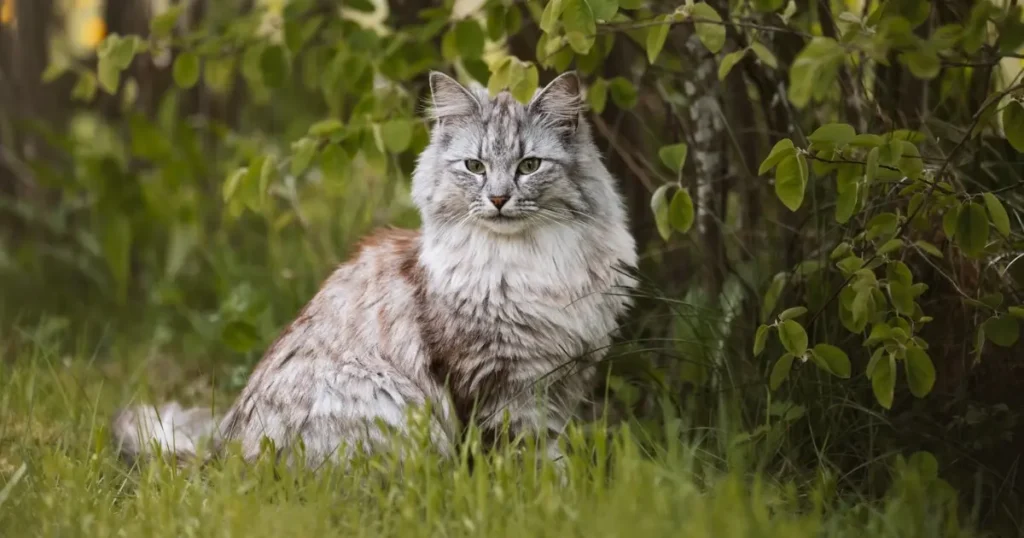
(672, 22)
(607, 133)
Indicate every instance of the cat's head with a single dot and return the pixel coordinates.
(505, 166)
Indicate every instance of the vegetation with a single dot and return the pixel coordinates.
(826, 194)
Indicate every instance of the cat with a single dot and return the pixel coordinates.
(495, 310)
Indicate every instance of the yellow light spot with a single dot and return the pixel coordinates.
(93, 32)
(6, 11)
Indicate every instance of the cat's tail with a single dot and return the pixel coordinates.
(171, 431)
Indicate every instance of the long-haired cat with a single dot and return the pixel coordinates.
(499, 305)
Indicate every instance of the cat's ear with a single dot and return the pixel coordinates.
(449, 98)
(560, 100)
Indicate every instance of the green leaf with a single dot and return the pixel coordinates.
(108, 74)
(882, 225)
(673, 156)
(623, 92)
(862, 307)
(232, 183)
(791, 181)
(54, 70)
(513, 20)
(928, 248)
(841, 251)
(499, 79)
(765, 55)
(832, 359)
(923, 64)
(597, 95)
(910, 163)
(890, 246)
(240, 336)
(920, 372)
(771, 296)
(792, 313)
(793, 337)
(780, 371)
(659, 205)
(549, 17)
(303, 151)
(993, 300)
(526, 83)
(1017, 312)
(397, 135)
(469, 39)
(711, 34)
(728, 62)
(898, 271)
(997, 214)
(1002, 331)
(274, 66)
(850, 264)
(761, 338)
(366, 6)
(163, 24)
(871, 168)
(879, 332)
(867, 140)
(873, 363)
(972, 229)
(219, 73)
(883, 381)
(814, 69)
(782, 149)
(325, 128)
(186, 70)
(580, 25)
(833, 133)
(902, 297)
(847, 190)
(656, 36)
(680, 212)
(334, 162)
(603, 10)
(949, 221)
(1013, 124)
(495, 21)
(925, 463)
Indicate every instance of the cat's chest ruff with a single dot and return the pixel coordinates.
(536, 294)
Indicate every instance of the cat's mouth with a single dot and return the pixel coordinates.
(504, 224)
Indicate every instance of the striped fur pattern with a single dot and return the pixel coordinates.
(490, 312)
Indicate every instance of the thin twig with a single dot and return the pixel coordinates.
(626, 157)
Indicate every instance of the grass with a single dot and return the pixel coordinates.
(59, 476)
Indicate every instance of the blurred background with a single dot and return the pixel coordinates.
(177, 177)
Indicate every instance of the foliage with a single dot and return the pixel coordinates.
(827, 182)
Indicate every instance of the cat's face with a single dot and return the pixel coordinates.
(502, 165)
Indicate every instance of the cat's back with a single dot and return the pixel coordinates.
(355, 349)
(364, 310)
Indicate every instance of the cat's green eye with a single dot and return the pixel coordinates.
(475, 166)
(529, 166)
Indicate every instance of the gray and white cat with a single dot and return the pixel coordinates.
(512, 288)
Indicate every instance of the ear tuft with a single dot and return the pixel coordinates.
(449, 98)
(560, 100)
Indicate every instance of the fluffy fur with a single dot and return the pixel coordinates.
(484, 312)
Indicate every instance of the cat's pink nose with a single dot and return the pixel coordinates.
(498, 201)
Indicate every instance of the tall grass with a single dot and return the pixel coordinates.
(59, 476)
